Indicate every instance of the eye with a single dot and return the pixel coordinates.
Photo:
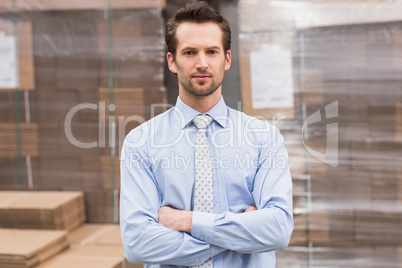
(212, 52)
(189, 53)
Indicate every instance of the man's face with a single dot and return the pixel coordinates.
(200, 61)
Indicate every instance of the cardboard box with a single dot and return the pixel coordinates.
(249, 44)
(28, 248)
(400, 184)
(102, 206)
(24, 49)
(379, 228)
(27, 144)
(398, 121)
(90, 244)
(84, 139)
(299, 234)
(71, 46)
(42, 210)
(15, 176)
(92, 176)
(127, 102)
(58, 173)
(67, 261)
(324, 228)
(132, 51)
(107, 172)
(345, 57)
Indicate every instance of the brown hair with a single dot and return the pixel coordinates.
(199, 13)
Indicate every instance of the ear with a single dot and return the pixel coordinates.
(171, 64)
(228, 60)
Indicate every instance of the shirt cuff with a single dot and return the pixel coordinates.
(202, 226)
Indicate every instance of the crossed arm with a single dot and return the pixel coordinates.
(163, 235)
(180, 220)
(188, 238)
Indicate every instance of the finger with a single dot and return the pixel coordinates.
(251, 208)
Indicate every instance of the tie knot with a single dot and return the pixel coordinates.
(202, 121)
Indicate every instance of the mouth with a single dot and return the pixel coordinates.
(201, 77)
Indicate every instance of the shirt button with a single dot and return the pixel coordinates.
(201, 237)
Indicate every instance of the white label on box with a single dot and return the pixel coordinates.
(8, 65)
(271, 77)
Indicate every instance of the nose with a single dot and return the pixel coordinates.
(202, 62)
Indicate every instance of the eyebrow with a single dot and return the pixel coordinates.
(186, 48)
(190, 48)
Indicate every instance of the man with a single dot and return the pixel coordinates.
(202, 184)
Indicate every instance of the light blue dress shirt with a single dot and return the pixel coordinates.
(249, 169)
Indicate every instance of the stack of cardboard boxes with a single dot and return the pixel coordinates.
(28, 248)
(92, 245)
(342, 128)
(46, 229)
(42, 210)
(34, 225)
(107, 57)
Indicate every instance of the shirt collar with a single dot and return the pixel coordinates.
(185, 113)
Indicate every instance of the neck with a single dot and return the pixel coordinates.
(201, 104)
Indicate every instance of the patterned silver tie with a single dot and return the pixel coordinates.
(203, 189)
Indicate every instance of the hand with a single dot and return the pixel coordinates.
(252, 208)
(179, 220)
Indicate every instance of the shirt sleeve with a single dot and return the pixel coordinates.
(266, 229)
(144, 239)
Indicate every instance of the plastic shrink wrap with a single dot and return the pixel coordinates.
(329, 75)
(71, 75)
